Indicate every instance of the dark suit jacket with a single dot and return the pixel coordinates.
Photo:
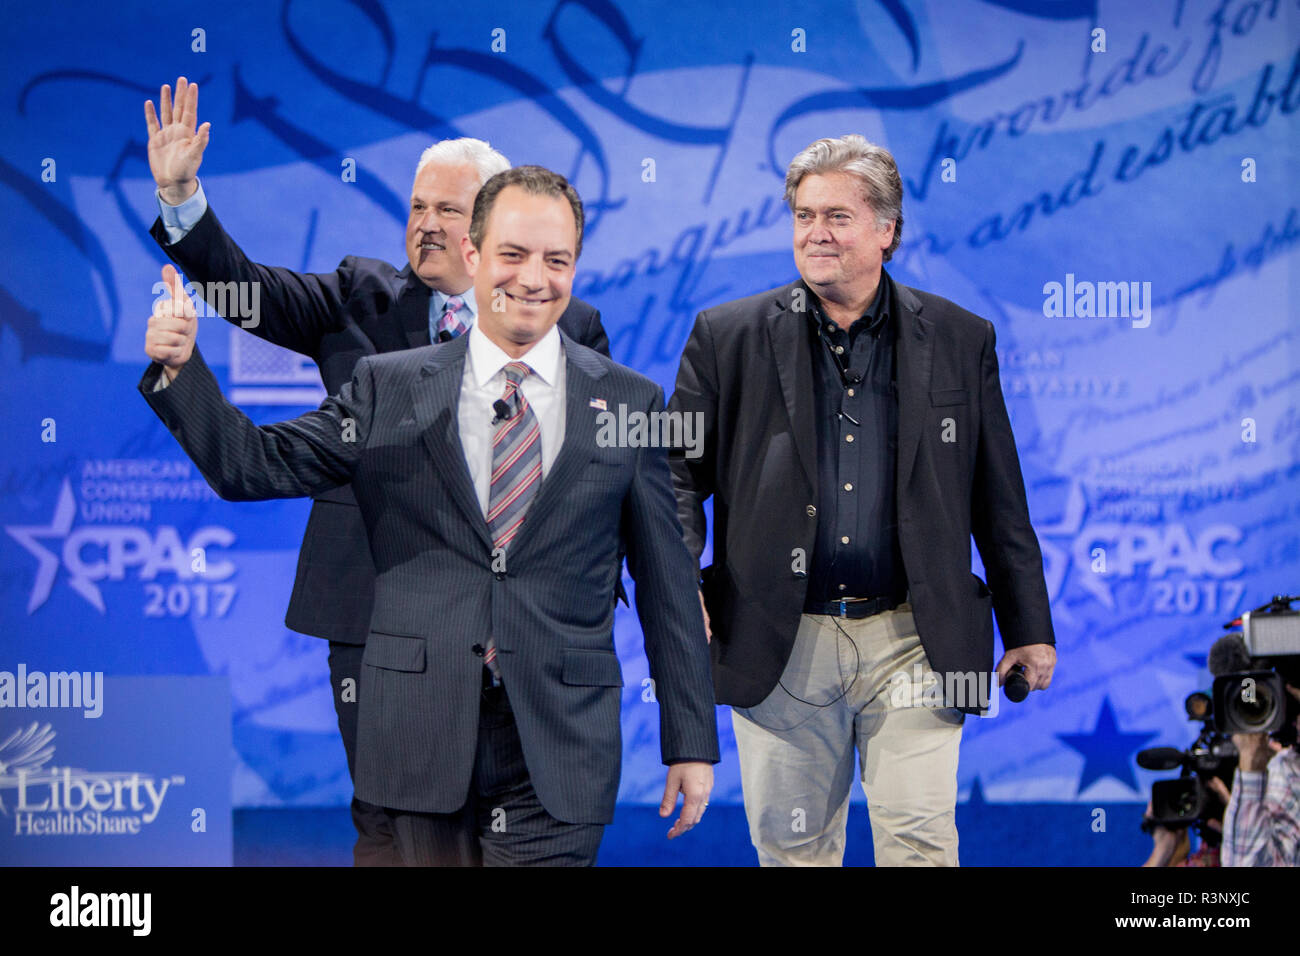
(364, 307)
(437, 596)
(747, 368)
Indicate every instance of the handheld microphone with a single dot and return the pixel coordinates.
(502, 411)
(1015, 686)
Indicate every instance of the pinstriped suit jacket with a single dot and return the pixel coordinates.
(363, 307)
(437, 594)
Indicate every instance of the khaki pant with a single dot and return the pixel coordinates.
(797, 749)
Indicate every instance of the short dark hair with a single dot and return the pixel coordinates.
(537, 180)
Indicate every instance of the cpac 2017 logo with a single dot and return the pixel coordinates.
(98, 552)
(1101, 554)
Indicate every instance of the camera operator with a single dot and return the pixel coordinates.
(1262, 824)
(1173, 846)
(1194, 802)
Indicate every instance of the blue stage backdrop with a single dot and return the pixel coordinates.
(1110, 183)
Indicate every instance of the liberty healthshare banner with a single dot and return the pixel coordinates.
(1110, 184)
(101, 771)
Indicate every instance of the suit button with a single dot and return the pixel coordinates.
(810, 511)
(499, 575)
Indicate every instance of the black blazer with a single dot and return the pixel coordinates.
(437, 595)
(364, 307)
(747, 368)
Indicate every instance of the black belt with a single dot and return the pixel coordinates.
(855, 607)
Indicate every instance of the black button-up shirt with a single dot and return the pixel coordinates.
(856, 409)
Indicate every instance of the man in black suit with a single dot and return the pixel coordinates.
(855, 438)
(365, 307)
(489, 712)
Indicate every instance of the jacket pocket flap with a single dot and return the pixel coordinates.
(592, 668)
(600, 470)
(394, 652)
(949, 396)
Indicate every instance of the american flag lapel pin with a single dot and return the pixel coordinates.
(598, 403)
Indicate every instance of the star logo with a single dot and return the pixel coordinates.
(1107, 751)
(47, 566)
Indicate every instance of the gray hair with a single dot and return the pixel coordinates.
(882, 187)
(468, 152)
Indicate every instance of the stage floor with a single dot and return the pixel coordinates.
(1023, 834)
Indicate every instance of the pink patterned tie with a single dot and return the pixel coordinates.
(450, 322)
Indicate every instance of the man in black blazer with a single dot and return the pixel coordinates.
(855, 439)
(490, 689)
(365, 307)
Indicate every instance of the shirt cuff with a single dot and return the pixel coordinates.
(179, 220)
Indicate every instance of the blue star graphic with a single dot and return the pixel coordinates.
(48, 561)
(1107, 752)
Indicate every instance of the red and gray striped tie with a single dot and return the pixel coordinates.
(516, 473)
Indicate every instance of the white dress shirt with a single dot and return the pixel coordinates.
(484, 382)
